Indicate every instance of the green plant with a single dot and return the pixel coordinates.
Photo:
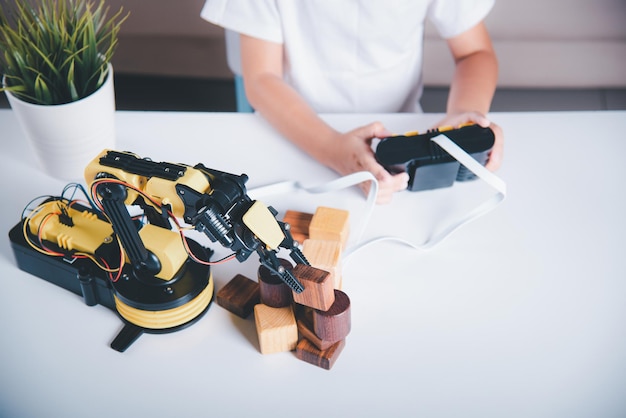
(58, 51)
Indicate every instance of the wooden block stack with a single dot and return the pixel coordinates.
(323, 236)
(323, 332)
(315, 322)
(323, 319)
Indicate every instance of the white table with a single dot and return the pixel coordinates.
(521, 313)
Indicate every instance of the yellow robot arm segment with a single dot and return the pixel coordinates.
(95, 168)
(86, 233)
(164, 190)
(263, 224)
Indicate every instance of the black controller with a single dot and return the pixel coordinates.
(429, 166)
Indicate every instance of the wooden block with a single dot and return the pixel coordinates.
(306, 331)
(334, 324)
(325, 359)
(304, 313)
(276, 328)
(319, 292)
(325, 255)
(330, 224)
(239, 296)
(274, 292)
(299, 222)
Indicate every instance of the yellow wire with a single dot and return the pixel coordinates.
(100, 266)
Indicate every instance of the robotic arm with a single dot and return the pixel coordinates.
(213, 202)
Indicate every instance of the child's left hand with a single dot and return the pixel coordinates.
(496, 155)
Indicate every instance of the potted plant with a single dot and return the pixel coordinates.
(55, 61)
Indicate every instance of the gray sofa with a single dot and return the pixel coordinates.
(540, 44)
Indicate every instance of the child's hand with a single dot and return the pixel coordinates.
(353, 153)
(495, 157)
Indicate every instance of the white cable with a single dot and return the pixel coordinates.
(331, 186)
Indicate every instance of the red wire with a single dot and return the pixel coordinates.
(197, 260)
(119, 271)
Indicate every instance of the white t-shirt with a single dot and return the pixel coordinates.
(346, 56)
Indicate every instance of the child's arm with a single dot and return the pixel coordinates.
(287, 111)
(474, 84)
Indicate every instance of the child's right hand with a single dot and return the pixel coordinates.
(353, 153)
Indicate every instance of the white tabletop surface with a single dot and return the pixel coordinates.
(520, 313)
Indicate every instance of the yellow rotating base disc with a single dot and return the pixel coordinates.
(168, 318)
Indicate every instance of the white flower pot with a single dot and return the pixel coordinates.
(66, 137)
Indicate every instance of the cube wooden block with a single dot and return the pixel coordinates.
(276, 328)
(325, 359)
(299, 222)
(325, 255)
(319, 289)
(239, 296)
(330, 224)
